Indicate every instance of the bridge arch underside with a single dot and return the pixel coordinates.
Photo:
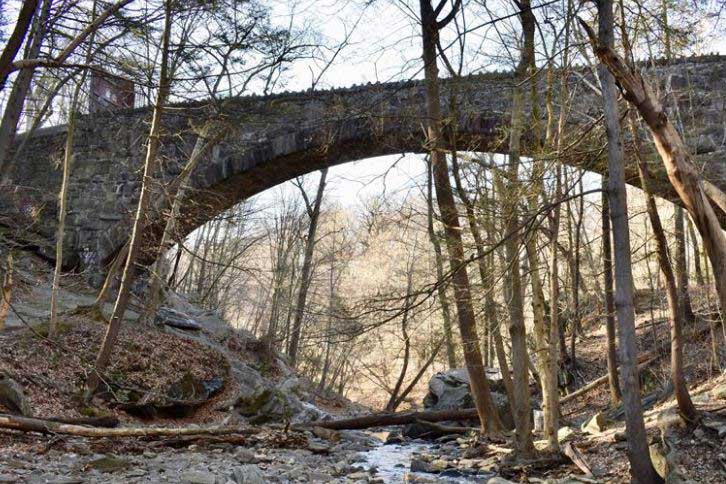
(236, 176)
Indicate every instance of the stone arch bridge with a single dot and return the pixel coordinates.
(269, 140)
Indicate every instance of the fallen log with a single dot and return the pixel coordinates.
(106, 422)
(28, 424)
(399, 418)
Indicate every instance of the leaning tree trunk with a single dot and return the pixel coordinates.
(21, 86)
(641, 467)
(15, 41)
(392, 401)
(150, 162)
(467, 323)
(681, 171)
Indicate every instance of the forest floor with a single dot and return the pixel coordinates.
(153, 358)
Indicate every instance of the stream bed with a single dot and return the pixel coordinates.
(393, 463)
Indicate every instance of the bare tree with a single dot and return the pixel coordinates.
(430, 27)
(150, 162)
(313, 211)
(641, 467)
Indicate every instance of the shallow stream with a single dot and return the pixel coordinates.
(393, 464)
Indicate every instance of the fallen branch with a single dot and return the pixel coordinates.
(649, 358)
(28, 424)
(715, 194)
(577, 458)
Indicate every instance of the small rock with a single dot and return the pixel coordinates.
(596, 425)
(699, 433)
(327, 434)
(419, 479)
(498, 480)
(419, 465)
(136, 473)
(319, 477)
(318, 448)
(245, 456)
(358, 476)
(196, 477)
(394, 438)
(248, 474)
(8, 478)
(108, 463)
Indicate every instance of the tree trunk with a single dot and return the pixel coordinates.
(513, 278)
(392, 402)
(305, 276)
(543, 354)
(641, 467)
(176, 192)
(63, 196)
(684, 297)
(607, 261)
(418, 376)
(27, 424)
(450, 218)
(6, 291)
(124, 293)
(63, 210)
(440, 288)
(696, 253)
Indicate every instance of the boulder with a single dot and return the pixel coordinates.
(12, 396)
(596, 424)
(108, 463)
(450, 390)
(179, 400)
(176, 319)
